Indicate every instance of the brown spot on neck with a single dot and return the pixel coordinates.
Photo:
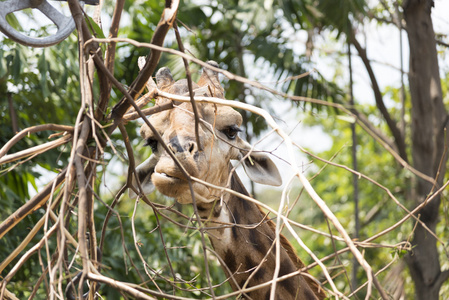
(248, 246)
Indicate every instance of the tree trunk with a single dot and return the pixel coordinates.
(428, 122)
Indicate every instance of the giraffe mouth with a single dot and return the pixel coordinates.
(165, 176)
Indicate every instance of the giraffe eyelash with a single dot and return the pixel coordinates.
(152, 143)
(231, 131)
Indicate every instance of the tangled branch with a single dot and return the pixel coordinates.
(67, 231)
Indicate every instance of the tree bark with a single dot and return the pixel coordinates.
(428, 134)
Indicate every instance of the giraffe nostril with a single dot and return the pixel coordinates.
(192, 147)
(181, 145)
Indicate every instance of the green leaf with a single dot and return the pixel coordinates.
(12, 20)
(97, 31)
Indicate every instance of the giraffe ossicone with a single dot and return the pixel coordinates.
(246, 253)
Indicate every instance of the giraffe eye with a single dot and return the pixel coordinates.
(231, 131)
(152, 143)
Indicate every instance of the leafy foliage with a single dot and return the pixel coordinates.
(42, 86)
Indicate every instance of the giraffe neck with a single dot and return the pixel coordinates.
(242, 247)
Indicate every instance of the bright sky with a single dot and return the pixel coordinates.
(383, 50)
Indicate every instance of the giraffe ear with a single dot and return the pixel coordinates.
(258, 166)
(144, 172)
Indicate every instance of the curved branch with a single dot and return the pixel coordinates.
(33, 129)
(442, 278)
(35, 150)
(24, 258)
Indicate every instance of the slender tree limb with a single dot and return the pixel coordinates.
(377, 273)
(110, 58)
(35, 203)
(398, 137)
(136, 87)
(189, 83)
(83, 200)
(81, 142)
(442, 278)
(441, 43)
(123, 286)
(224, 72)
(122, 233)
(389, 193)
(23, 259)
(84, 31)
(147, 122)
(35, 150)
(132, 171)
(33, 129)
(148, 111)
(8, 295)
(28, 238)
(90, 170)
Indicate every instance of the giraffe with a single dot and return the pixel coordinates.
(246, 250)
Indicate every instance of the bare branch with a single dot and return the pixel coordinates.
(189, 83)
(35, 150)
(35, 203)
(33, 129)
(136, 87)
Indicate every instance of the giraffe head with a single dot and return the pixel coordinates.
(206, 157)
